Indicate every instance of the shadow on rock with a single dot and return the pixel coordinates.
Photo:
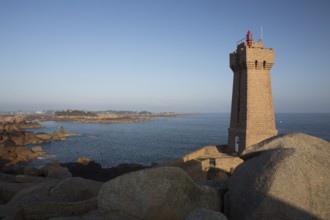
(94, 171)
(286, 178)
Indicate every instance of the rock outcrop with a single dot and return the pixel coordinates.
(206, 214)
(72, 196)
(89, 169)
(22, 137)
(15, 154)
(92, 215)
(10, 184)
(206, 163)
(9, 187)
(159, 193)
(12, 132)
(58, 172)
(17, 122)
(285, 177)
(12, 150)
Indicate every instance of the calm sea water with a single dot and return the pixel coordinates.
(160, 140)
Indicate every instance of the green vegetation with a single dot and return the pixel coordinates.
(145, 113)
(70, 112)
(124, 112)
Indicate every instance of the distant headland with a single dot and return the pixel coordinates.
(109, 116)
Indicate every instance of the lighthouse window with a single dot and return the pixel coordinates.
(212, 162)
(256, 64)
(264, 64)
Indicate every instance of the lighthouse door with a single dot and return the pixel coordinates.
(236, 144)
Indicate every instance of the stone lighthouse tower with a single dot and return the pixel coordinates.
(252, 113)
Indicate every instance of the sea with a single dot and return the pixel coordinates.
(160, 140)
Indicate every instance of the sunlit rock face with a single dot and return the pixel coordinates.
(160, 193)
(285, 177)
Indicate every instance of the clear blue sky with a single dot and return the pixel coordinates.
(157, 55)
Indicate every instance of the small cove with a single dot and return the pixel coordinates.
(160, 140)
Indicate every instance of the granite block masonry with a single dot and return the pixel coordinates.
(252, 112)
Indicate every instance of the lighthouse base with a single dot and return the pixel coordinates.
(239, 139)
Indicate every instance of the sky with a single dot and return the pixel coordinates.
(157, 55)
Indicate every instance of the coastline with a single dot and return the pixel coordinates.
(209, 172)
(109, 118)
(15, 139)
(209, 175)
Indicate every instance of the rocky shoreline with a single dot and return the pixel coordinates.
(284, 177)
(17, 122)
(14, 137)
(13, 140)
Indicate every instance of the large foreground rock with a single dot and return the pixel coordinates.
(68, 197)
(160, 193)
(9, 189)
(286, 177)
(92, 215)
(206, 214)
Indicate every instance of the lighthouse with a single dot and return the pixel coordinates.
(252, 112)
